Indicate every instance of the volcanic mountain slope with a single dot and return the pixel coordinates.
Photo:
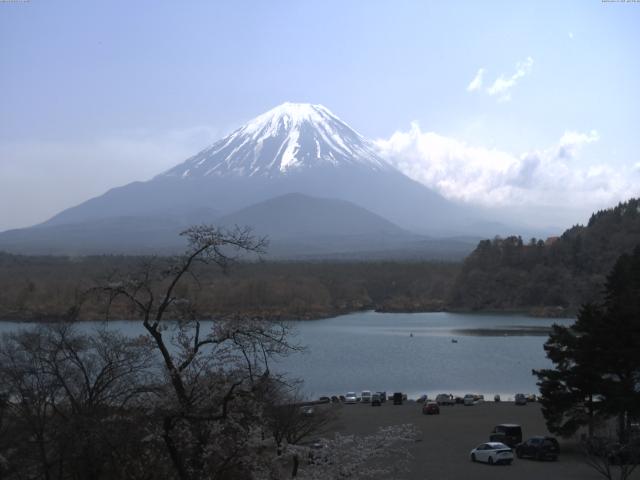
(289, 139)
(293, 148)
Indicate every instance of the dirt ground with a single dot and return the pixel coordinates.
(447, 439)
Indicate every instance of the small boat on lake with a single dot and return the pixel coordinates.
(453, 340)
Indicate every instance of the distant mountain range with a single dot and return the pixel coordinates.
(296, 173)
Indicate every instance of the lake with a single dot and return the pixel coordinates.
(411, 353)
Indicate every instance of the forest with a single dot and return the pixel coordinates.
(53, 288)
(551, 277)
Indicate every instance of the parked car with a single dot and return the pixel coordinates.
(375, 400)
(496, 398)
(397, 398)
(422, 399)
(431, 408)
(383, 396)
(469, 400)
(445, 399)
(324, 400)
(366, 396)
(492, 453)
(507, 433)
(459, 400)
(521, 399)
(539, 447)
(342, 398)
(478, 398)
(351, 397)
(335, 399)
(307, 410)
(531, 398)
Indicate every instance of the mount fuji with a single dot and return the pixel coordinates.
(294, 148)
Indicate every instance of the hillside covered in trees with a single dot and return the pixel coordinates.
(50, 288)
(548, 277)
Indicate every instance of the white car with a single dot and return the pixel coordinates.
(366, 396)
(469, 399)
(445, 399)
(351, 397)
(492, 453)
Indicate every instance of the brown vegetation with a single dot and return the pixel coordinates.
(49, 288)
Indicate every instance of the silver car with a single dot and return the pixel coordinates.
(351, 397)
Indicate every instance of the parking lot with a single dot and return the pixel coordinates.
(443, 451)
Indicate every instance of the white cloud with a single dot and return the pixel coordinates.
(501, 86)
(476, 83)
(546, 177)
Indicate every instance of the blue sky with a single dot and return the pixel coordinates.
(94, 95)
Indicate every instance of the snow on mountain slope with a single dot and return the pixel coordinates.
(291, 137)
(293, 148)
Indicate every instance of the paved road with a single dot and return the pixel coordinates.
(447, 439)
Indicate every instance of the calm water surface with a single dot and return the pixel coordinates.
(412, 353)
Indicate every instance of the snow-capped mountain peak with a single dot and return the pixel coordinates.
(288, 138)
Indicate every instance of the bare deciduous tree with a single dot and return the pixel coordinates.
(218, 380)
(611, 459)
(289, 418)
(66, 397)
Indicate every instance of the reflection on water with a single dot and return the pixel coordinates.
(413, 353)
(504, 331)
(421, 353)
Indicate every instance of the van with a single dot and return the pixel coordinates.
(520, 399)
(508, 433)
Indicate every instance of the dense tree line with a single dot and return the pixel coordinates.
(556, 275)
(542, 276)
(49, 288)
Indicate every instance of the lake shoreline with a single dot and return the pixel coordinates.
(534, 312)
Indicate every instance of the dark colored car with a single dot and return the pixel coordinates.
(508, 433)
(397, 398)
(539, 447)
(520, 399)
(431, 408)
(375, 400)
(383, 396)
